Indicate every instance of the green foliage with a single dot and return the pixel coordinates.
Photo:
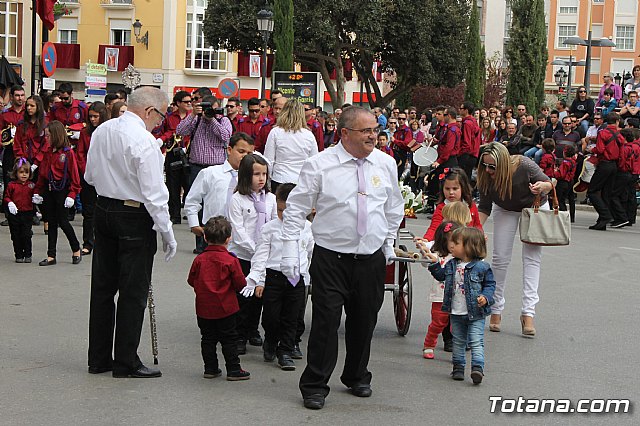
(283, 34)
(527, 54)
(475, 79)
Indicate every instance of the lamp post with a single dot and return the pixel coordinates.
(560, 76)
(577, 41)
(570, 64)
(265, 27)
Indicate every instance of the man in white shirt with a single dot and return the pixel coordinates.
(125, 165)
(359, 207)
(214, 185)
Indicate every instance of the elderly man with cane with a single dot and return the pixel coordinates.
(125, 165)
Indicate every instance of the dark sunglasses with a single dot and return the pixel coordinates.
(64, 98)
(254, 110)
(490, 166)
(582, 91)
(186, 102)
(231, 106)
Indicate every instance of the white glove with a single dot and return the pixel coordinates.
(290, 263)
(37, 199)
(160, 142)
(169, 244)
(75, 135)
(68, 202)
(13, 132)
(388, 251)
(33, 167)
(12, 208)
(248, 290)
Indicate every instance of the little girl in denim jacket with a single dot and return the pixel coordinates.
(468, 293)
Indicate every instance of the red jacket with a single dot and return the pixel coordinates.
(437, 219)
(82, 148)
(263, 134)
(11, 116)
(387, 149)
(54, 163)
(402, 137)
(76, 113)
(607, 147)
(29, 145)
(548, 164)
(216, 276)
(20, 194)
(449, 145)
(316, 128)
(470, 142)
(635, 170)
(567, 170)
(169, 126)
(627, 156)
(252, 129)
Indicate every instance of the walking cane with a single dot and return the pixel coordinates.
(152, 322)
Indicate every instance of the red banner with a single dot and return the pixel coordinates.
(44, 8)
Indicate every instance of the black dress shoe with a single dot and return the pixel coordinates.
(314, 402)
(599, 226)
(268, 351)
(47, 262)
(286, 363)
(99, 370)
(142, 372)
(255, 341)
(4, 222)
(76, 259)
(296, 353)
(361, 390)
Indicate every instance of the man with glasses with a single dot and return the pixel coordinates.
(263, 133)
(382, 119)
(566, 136)
(521, 115)
(265, 108)
(68, 111)
(124, 164)
(209, 132)
(252, 124)
(632, 108)
(176, 166)
(233, 112)
(610, 84)
(314, 125)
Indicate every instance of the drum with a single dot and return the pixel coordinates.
(425, 156)
(7, 136)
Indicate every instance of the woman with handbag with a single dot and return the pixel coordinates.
(508, 184)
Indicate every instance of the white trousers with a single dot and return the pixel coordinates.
(505, 228)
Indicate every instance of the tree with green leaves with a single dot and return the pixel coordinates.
(474, 90)
(527, 54)
(283, 34)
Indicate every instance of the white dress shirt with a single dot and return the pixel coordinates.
(243, 217)
(329, 182)
(268, 254)
(287, 151)
(210, 186)
(124, 162)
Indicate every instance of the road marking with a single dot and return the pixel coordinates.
(629, 248)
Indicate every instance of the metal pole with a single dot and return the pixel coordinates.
(587, 66)
(569, 79)
(264, 65)
(33, 46)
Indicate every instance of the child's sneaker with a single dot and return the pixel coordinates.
(476, 374)
(212, 374)
(427, 353)
(286, 363)
(234, 376)
(458, 372)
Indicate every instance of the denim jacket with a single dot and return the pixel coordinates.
(478, 280)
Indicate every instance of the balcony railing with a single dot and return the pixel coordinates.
(117, 4)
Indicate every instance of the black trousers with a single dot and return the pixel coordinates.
(300, 321)
(467, 162)
(601, 188)
(221, 330)
(433, 188)
(623, 194)
(122, 262)
(280, 308)
(564, 191)
(20, 227)
(88, 197)
(177, 180)
(250, 310)
(57, 215)
(357, 284)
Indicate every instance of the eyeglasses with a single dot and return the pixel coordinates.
(521, 109)
(402, 119)
(307, 109)
(231, 106)
(331, 125)
(582, 91)
(393, 122)
(64, 98)
(254, 110)
(509, 111)
(195, 98)
(567, 124)
(264, 106)
(186, 102)
(157, 111)
(488, 166)
(366, 132)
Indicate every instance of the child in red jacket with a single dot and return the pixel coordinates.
(18, 200)
(548, 160)
(216, 276)
(564, 175)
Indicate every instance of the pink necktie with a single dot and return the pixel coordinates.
(362, 199)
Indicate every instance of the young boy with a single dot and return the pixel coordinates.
(215, 276)
(607, 103)
(282, 299)
(383, 143)
(564, 174)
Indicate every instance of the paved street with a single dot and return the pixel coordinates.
(586, 347)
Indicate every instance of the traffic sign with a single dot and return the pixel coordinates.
(228, 88)
(49, 59)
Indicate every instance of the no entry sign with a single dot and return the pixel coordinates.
(49, 59)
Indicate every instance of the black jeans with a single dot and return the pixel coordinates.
(280, 308)
(178, 179)
(221, 330)
(601, 187)
(623, 194)
(20, 228)
(122, 262)
(57, 215)
(564, 191)
(357, 284)
(467, 162)
(88, 197)
(250, 310)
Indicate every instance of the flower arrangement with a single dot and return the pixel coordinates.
(413, 203)
(60, 9)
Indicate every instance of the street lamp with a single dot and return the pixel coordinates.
(570, 64)
(560, 76)
(265, 27)
(137, 26)
(617, 79)
(577, 41)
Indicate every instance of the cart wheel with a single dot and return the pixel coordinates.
(402, 297)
